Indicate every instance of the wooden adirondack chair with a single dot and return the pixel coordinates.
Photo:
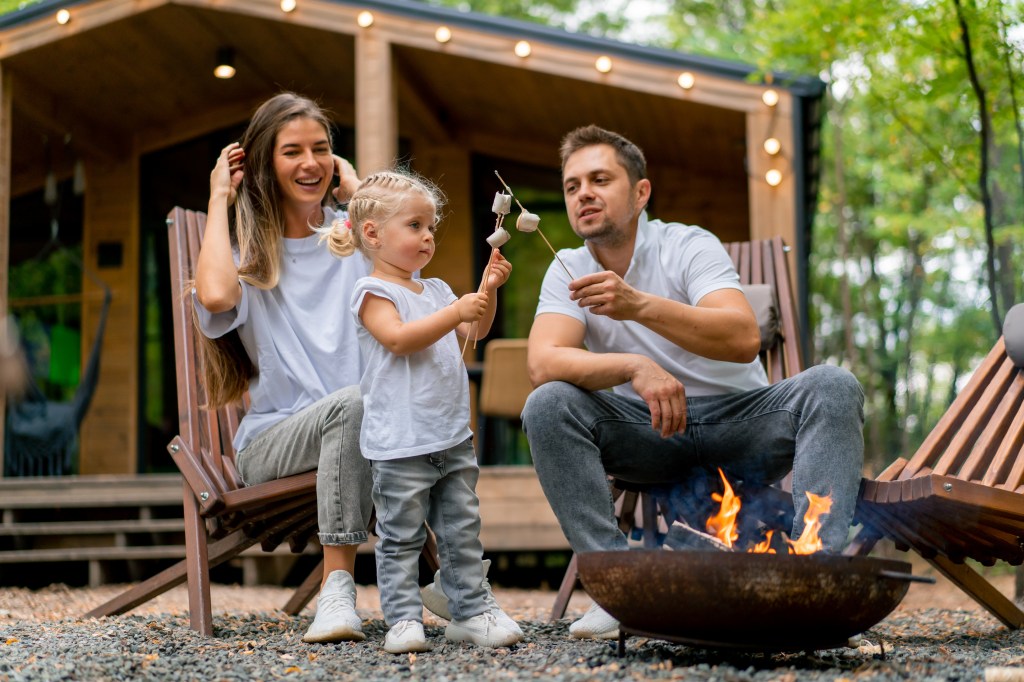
(223, 517)
(961, 495)
(764, 270)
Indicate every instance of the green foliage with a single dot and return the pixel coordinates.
(13, 5)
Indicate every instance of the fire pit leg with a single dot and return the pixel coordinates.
(622, 642)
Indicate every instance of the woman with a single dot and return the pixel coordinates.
(260, 299)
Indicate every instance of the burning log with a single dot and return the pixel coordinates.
(683, 536)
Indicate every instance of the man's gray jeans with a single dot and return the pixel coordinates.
(811, 423)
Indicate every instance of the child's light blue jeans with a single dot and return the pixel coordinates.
(439, 488)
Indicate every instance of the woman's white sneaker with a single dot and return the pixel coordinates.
(336, 619)
(404, 637)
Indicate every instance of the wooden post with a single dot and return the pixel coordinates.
(376, 104)
(6, 99)
(773, 209)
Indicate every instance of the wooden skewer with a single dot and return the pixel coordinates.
(539, 231)
(483, 282)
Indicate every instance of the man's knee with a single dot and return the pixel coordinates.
(835, 385)
(547, 403)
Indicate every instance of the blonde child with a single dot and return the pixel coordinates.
(415, 429)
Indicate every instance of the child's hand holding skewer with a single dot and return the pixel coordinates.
(471, 307)
(499, 271)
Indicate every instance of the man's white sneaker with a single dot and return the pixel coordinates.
(436, 602)
(405, 636)
(596, 623)
(336, 619)
(482, 630)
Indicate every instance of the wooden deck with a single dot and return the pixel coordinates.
(96, 523)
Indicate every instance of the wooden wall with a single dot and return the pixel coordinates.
(109, 434)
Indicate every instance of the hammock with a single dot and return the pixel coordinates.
(41, 434)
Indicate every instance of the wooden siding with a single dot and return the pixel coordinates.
(108, 436)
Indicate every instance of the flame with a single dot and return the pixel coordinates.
(765, 546)
(723, 524)
(809, 541)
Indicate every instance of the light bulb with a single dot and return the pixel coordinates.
(443, 34)
(603, 64)
(365, 19)
(686, 80)
(773, 177)
(288, 5)
(772, 146)
(523, 49)
(770, 97)
(63, 16)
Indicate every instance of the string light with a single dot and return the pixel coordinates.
(770, 97)
(63, 16)
(365, 19)
(686, 80)
(443, 34)
(523, 49)
(225, 67)
(772, 146)
(288, 5)
(773, 177)
(603, 64)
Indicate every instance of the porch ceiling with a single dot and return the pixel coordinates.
(146, 81)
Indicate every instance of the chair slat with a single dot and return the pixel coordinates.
(946, 429)
(985, 460)
(974, 424)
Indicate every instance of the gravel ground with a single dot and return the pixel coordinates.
(934, 635)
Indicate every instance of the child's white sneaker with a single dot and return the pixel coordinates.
(336, 619)
(405, 636)
(482, 630)
(436, 601)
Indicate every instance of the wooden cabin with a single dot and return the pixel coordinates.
(112, 107)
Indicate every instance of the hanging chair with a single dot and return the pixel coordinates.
(41, 434)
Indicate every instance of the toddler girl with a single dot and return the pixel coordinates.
(415, 428)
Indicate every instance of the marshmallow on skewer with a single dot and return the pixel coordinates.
(499, 238)
(502, 203)
(527, 222)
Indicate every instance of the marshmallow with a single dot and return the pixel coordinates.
(498, 239)
(527, 222)
(502, 203)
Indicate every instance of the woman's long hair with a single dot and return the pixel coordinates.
(257, 229)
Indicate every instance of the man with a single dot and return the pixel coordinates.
(656, 314)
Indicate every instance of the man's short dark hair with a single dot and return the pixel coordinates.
(628, 154)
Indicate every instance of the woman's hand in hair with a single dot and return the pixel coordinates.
(348, 180)
(227, 174)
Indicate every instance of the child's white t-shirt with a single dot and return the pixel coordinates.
(413, 404)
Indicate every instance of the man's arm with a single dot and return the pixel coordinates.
(721, 326)
(555, 353)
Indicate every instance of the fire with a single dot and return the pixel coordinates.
(765, 546)
(809, 541)
(723, 524)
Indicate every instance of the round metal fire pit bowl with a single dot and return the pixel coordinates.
(763, 602)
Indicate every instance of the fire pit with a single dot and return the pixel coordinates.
(761, 602)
